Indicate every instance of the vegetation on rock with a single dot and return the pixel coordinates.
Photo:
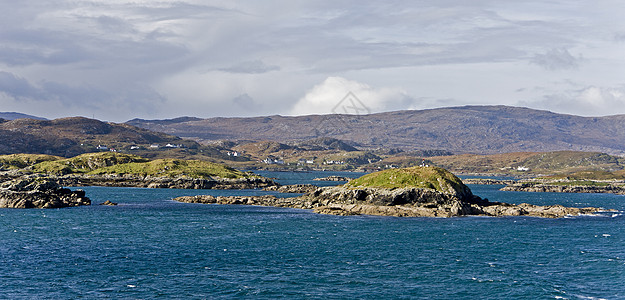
(434, 178)
(86, 163)
(174, 168)
(20, 161)
(104, 163)
(589, 175)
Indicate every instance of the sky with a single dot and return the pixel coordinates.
(117, 60)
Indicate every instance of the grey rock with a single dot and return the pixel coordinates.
(39, 192)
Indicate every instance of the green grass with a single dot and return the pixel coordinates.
(415, 177)
(20, 161)
(590, 175)
(173, 168)
(85, 163)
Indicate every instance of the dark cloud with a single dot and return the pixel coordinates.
(17, 87)
(250, 67)
(556, 59)
(246, 103)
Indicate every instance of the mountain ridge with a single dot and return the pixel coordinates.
(16, 115)
(462, 129)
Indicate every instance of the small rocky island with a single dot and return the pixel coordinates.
(408, 192)
(588, 181)
(39, 192)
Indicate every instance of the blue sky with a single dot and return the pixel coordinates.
(117, 60)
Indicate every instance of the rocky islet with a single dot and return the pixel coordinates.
(39, 192)
(450, 198)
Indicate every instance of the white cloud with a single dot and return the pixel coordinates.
(589, 101)
(330, 97)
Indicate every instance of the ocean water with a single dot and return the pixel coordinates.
(152, 247)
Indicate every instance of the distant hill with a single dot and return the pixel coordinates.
(72, 136)
(15, 116)
(467, 129)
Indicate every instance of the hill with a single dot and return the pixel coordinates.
(561, 162)
(107, 163)
(16, 115)
(467, 129)
(68, 137)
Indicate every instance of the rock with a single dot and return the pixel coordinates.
(163, 182)
(333, 178)
(109, 203)
(295, 188)
(39, 192)
(560, 188)
(487, 181)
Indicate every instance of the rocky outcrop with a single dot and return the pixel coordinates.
(560, 188)
(163, 182)
(294, 188)
(406, 202)
(267, 200)
(39, 192)
(333, 178)
(487, 181)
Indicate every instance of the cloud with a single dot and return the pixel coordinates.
(556, 59)
(250, 67)
(406, 54)
(17, 87)
(343, 96)
(77, 100)
(588, 101)
(246, 103)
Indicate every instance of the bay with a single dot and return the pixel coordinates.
(150, 246)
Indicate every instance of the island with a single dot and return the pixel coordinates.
(406, 192)
(589, 181)
(37, 181)
(127, 170)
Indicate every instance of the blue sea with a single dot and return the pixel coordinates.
(152, 247)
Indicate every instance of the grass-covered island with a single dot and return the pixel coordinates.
(578, 182)
(407, 192)
(126, 170)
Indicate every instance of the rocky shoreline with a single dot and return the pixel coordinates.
(488, 181)
(559, 188)
(294, 188)
(181, 182)
(164, 182)
(405, 202)
(333, 178)
(39, 192)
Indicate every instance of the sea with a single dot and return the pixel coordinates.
(150, 246)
